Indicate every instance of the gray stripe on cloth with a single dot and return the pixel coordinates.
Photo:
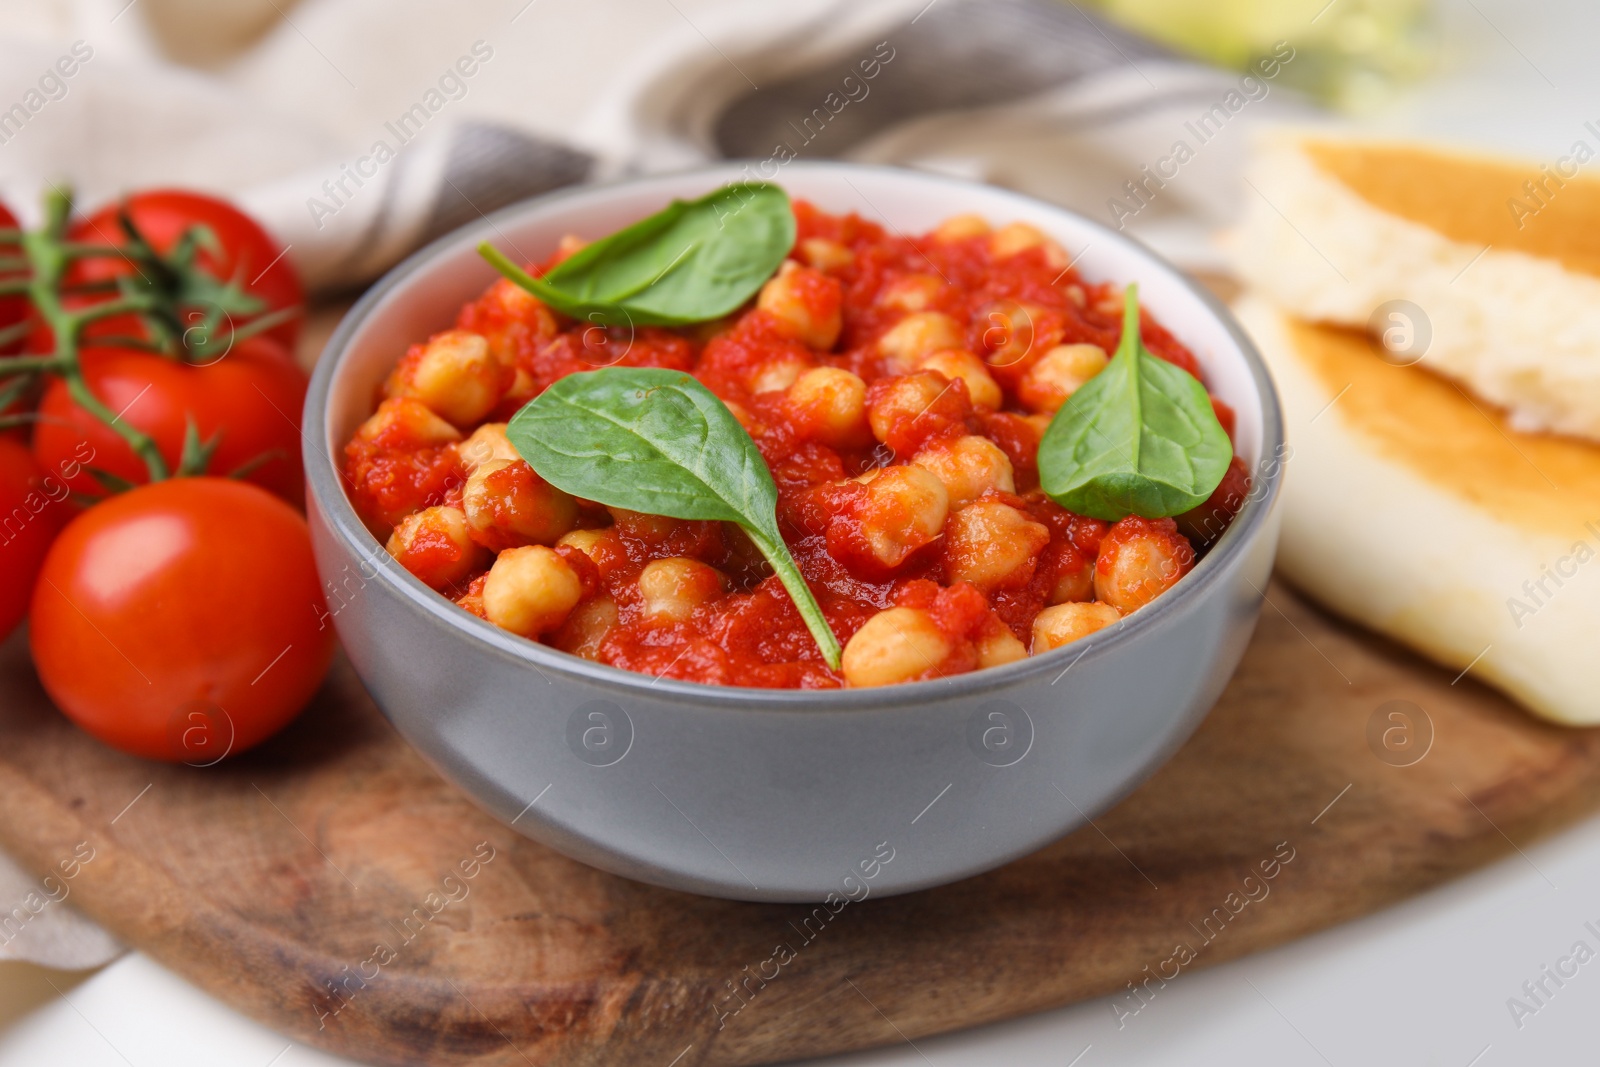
(492, 166)
(378, 227)
(958, 54)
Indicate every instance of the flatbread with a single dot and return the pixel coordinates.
(1488, 269)
(1418, 509)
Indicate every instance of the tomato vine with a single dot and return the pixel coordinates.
(161, 292)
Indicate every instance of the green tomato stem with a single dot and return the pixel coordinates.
(57, 214)
(84, 288)
(80, 250)
(46, 254)
(502, 263)
(13, 389)
(11, 366)
(15, 333)
(109, 309)
(143, 445)
(783, 566)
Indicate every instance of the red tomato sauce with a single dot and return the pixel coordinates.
(909, 482)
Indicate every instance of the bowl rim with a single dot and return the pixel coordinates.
(324, 482)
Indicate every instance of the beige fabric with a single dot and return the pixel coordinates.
(224, 97)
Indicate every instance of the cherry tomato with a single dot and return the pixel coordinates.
(33, 508)
(13, 309)
(252, 396)
(247, 251)
(182, 620)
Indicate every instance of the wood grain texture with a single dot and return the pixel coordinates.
(272, 879)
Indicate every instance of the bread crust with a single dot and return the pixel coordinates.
(1510, 301)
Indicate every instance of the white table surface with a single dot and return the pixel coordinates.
(1424, 983)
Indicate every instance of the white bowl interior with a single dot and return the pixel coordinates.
(427, 298)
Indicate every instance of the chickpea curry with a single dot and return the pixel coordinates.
(897, 389)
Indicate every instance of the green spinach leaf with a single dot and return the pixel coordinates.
(1139, 438)
(659, 442)
(693, 261)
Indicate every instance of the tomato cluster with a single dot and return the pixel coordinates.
(150, 476)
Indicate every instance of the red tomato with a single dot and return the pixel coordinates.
(182, 620)
(247, 253)
(252, 396)
(33, 508)
(13, 309)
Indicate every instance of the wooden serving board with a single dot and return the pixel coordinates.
(273, 879)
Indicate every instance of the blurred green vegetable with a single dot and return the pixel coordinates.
(1349, 53)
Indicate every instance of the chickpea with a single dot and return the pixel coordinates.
(586, 627)
(913, 292)
(955, 363)
(1139, 560)
(651, 529)
(436, 545)
(486, 444)
(897, 404)
(833, 402)
(1109, 303)
(592, 543)
(919, 334)
(969, 467)
(961, 227)
(1016, 333)
(515, 302)
(905, 509)
(1074, 583)
(992, 545)
(403, 421)
(512, 318)
(1066, 623)
(530, 590)
(522, 388)
(673, 588)
(806, 303)
(778, 373)
(507, 505)
(997, 645)
(826, 255)
(454, 374)
(1058, 374)
(1018, 237)
(896, 645)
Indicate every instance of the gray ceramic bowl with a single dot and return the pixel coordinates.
(776, 794)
